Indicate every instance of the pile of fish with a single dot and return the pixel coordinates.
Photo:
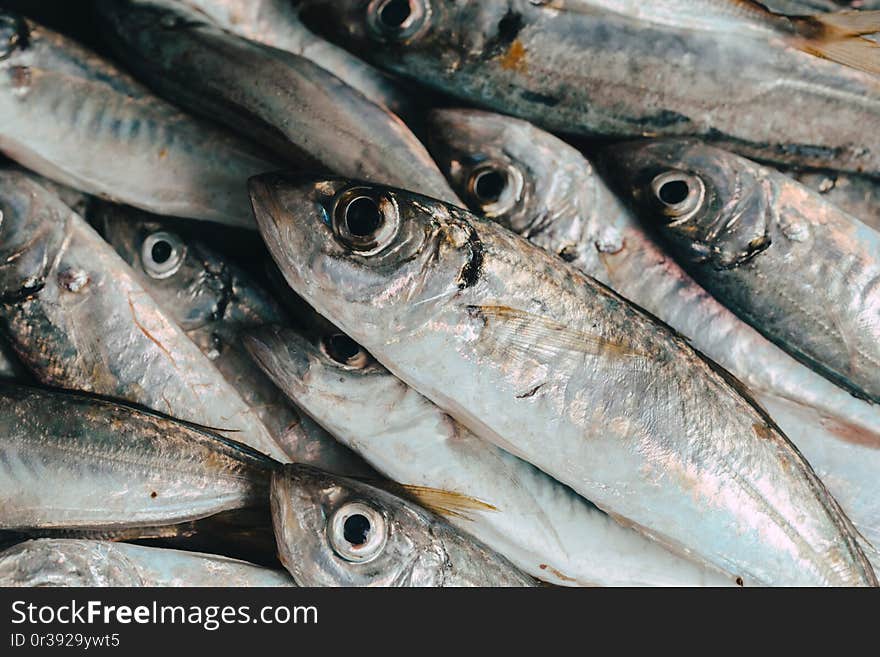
(441, 293)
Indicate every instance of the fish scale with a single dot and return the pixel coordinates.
(725, 484)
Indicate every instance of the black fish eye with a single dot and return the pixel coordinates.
(398, 20)
(679, 193)
(489, 185)
(345, 351)
(162, 254)
(357, 532)
(365, 221)
(356, 529)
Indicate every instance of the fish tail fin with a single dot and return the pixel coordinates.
(840, 37)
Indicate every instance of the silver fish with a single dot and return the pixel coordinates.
(77, 120)
(214, 301)
(276, 23)
(72, 562)
(543, 527)
(306, 115)
(632, 68)
(77, 463)
(333, 531)
(795, 267)
(553, 367)
(78, 319)
(540, 187)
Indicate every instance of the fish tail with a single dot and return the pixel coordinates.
(840, 37)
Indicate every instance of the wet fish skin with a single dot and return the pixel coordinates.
(72, 562)
(795, 267)
(78, 319)
(67, 113)
(405, 546)
(276, 23)
(305, 115)
(543, 527)
(76, 463)
(855, 195)
(509, 341)
(214, 301)
(553, 196)
(589, 71)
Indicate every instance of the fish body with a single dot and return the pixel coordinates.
(214, 301)
(334, 531)
(551, 194)
(543, 527)
(799, 270)
(72, 562)
(858, 196)
(276, 23)
(305, 115)
(75, 463)
(78, 319)
(67, 113)
(557, 369)
(635, 68)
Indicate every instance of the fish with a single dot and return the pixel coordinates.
(305, 115)
(214, 300)
(276, 23)
(73, 462)
(78, 319)
(627, 69)
(335, 531)
(541, 526)
(77, 562)
(796, 268)
(74, 118)
(555, 368)
(855, 195)
(550, 193)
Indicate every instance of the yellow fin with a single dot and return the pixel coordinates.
(445, 503)
(839, 37)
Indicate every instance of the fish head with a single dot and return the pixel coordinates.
(434, 36)
(334, 531)
(709, 207)
(363, 254)
(512, 172)
(32, 230)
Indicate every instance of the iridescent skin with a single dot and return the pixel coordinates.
(629, 68)
(276, 23)
(855, 195)
(72, 462)
(542, 526)
(420, 550)
(553, 196)
(78, 319)
(74, 118)
(799, 270)
(511, 342)
(214, 301)
(71, 562)
(305, 115)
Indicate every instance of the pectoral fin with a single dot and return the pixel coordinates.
(839, 37)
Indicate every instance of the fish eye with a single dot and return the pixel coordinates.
(364, 221)
(494, 188)
(345, 351)
(680, 194)
(398, 20)
(162, 253)
(357, 532)
(13, 35)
